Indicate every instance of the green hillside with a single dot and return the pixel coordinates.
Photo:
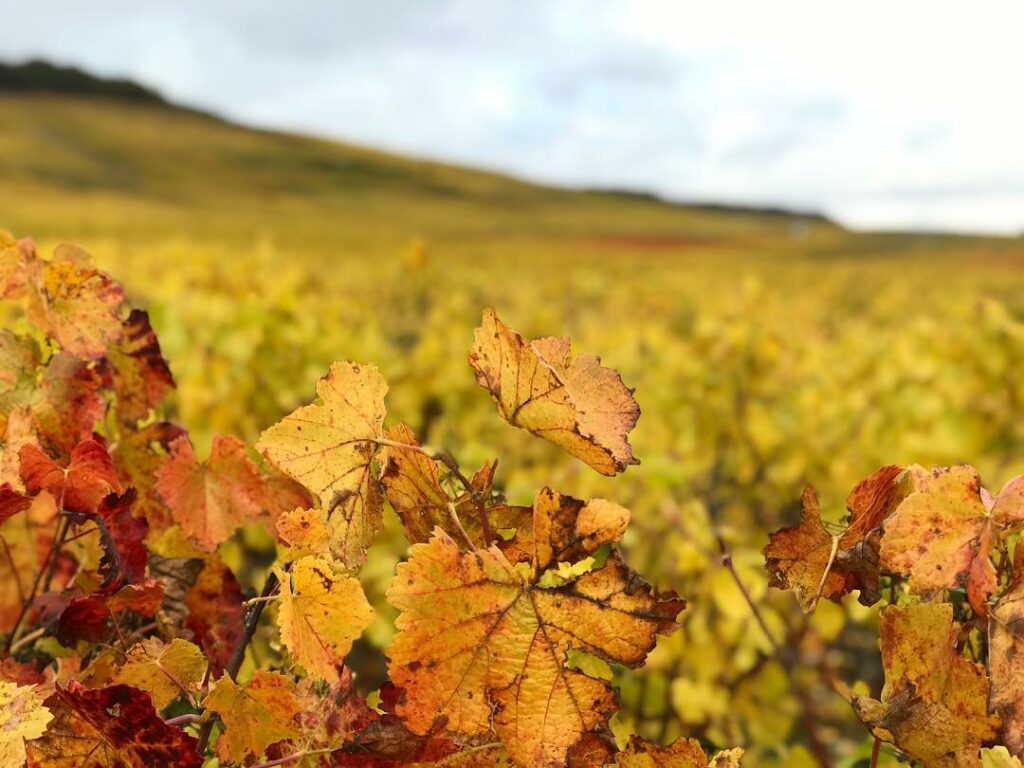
(86, 158)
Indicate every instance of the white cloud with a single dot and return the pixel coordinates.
(881, 113)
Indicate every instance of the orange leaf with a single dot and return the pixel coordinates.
(801, 558)
(79, 306)
(210, 500)
(681, 753)
(81, 486)
(483, 646)
(938, 531)
(572, 401)
(934, 703)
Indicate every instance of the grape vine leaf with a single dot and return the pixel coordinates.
(81, 486)
(815, 564)
(413, 486)
(12, 502)
(934, 702)
(304, 531)
(79, 306)
(481, 645)
(166, 671)
(329, 448)
(210, 500)
(328, 716)
(940, 535)
(137, 456)
(111, 727)
(22, 718)
(255, 715)
(801, 557)
(681, 753)
(321, 612)
(1006, 649)
(90, 617)
(1008, 506)
(25, 541)
(19, 365)
(14, 256)
(566, 530)
(215, 612)
(541, 387)
(67, 404)
(139, 373)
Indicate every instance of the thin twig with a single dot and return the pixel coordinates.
(15, 570)
(875, 749)
(56, 554)
(27, 639)
(51, 557)
(252, 620)
(726, 559)
(453, 513)
(261, 599)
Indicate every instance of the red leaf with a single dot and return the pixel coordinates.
(107, 728)
(139, 374)
(12, 502)
(122, 535)
(215, 614)
(81, 486)
(90, 617)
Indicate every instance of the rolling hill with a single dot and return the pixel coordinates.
(86, 158)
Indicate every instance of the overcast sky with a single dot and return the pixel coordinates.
(895, 113)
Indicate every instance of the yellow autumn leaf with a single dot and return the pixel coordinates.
(681, 753)
(167, 670)
(78, 305)
(482, 646)
(322, 611)
(939, 535)
(22, 718)
(304, 531)
(573, 401)
(1006, 649)
(255, 715)
(934, 702)
(329, 447)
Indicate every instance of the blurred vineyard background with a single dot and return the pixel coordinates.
(768, 351)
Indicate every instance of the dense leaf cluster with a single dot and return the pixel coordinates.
(125, 632)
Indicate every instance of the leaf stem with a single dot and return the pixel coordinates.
(186, 719)
(825, 573)
(449, 462)
(47, 568)
(453, 513)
